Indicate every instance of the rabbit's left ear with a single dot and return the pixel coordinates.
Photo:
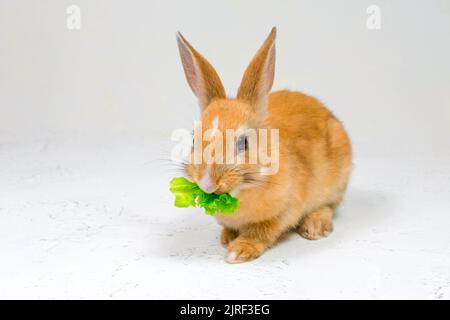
(258, 77)
(200, 74)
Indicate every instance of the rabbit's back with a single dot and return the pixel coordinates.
(316, 144)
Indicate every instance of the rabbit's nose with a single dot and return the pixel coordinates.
(207, 184)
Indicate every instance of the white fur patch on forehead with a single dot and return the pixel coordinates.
(215, 123)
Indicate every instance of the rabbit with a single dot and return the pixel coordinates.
(315, 156)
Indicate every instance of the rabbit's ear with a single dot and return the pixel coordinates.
(201, 76)
(258, 77)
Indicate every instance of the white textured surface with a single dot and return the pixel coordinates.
(96, 221)
(85, 115)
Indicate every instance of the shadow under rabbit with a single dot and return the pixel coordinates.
(361, 211)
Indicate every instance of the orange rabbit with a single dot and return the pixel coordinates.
(315, 156)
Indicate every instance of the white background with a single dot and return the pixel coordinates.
(85, 123)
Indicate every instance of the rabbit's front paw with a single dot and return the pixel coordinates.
(243, 250)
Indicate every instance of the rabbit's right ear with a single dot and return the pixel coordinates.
(201, 76)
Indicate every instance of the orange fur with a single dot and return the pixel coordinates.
(315, 158)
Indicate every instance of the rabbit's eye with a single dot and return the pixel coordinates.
(242, 144)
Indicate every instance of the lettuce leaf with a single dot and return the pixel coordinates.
(189, 194)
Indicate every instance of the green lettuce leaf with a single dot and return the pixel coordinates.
(189, 194)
